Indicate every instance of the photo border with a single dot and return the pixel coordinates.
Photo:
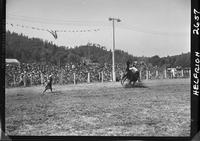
(195, 124)
(195, 114)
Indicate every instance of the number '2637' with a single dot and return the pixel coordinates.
(196, 25)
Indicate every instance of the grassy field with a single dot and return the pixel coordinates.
(102, 109)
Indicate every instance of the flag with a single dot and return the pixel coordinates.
(53, 33)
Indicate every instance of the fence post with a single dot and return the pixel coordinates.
(99, 76)
(102, 77)
(147, 75)
(88, 80)
(14, 80)
(74, 78)
(31, 80)
(165, 74)
(140, 75)
(41, 78)
(182, 75)
(24, 79)
(156, 74)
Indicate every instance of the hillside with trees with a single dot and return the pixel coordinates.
(31, 50)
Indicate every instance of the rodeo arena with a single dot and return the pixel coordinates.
(86, 101)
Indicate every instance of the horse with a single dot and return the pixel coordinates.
(133, 78)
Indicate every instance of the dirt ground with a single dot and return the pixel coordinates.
(162, 108)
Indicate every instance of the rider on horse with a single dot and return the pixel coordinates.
(131, 70)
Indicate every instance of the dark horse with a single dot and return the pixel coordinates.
(133, 77)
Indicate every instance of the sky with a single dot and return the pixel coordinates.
(147, 27)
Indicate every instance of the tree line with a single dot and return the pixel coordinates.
(29, 50)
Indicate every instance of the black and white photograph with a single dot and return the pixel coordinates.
(98, 68)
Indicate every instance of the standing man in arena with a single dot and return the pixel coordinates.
(49, 84)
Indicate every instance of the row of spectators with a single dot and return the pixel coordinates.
(36, 74)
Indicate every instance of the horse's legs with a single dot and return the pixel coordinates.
(123, 79)
(133, 83)
(129, 82)
(44, 91)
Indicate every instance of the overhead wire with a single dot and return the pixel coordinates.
(73, 22)
(55, 21)
(148, 31)
(43, 29)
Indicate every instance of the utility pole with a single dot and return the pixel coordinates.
(113, 52)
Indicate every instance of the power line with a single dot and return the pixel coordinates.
(148, 31)
(86, 23)
(43, 29)
(52, 32)
(54, 21)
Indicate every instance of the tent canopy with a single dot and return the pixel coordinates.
(12, 61)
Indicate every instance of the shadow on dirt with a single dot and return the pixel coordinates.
(52, 93)
(137, 85)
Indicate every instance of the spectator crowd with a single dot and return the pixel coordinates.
(26, 74)
(37, 74)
